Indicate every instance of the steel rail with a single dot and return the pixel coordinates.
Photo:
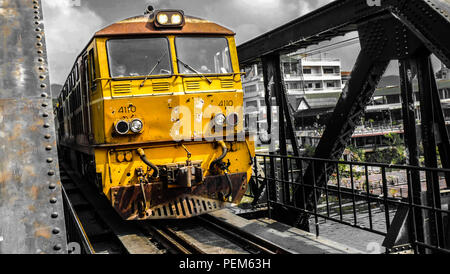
(173, 242)
(243, 238)
(124, 234)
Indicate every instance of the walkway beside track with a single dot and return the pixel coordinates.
(292, 239)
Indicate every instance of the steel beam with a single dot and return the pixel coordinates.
(429, 20)
(409, 125)
(31, 205)
(341, 17)
(425, 78)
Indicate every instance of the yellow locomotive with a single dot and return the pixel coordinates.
(152, 113)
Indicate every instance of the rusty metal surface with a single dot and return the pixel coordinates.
(141, 25)
(31, 209)
(176, 203)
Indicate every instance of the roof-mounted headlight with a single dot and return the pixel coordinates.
(169, 18)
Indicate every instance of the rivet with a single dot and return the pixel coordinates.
(52, 186)
(48, 136)
(36, 7)
(46, 125)
(53, 200)
(38, 36)
(44, 104)
(55, 230)
(57, 247)
(41, 68)
(44, 94)
(43, 85)
(48, 147)
(45, 114)
(37, 29)
(39, 44)
(54, 215)
(49, 160)
(40, 52)
(41, 60)
(51, 173)
(37, 17)
(36, 22)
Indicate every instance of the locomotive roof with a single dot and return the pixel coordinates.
(141, 25)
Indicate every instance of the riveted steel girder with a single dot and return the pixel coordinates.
(31, 208)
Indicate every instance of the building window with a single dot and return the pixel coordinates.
(252, 104)
(328, 70)
(250, 89)
(307, 71)
(330, 85)
(317, 85)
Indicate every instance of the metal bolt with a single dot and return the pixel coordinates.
(43, 85)
(49, 160)
(56, 230)
(54, 215)
(48, 147)
(44, 94)
(45, 114)
(53, 200)
(57, 247)
(51, 173)
(46, 125)
(48, 136)
(52, 186)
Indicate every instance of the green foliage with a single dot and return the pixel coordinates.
(310, 150)
(394, 154)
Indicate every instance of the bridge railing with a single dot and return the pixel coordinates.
(379, 198)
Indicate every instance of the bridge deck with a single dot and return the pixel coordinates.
(295, 240)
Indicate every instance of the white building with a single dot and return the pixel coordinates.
(311, 83)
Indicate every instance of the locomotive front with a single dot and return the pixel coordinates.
(168, 117)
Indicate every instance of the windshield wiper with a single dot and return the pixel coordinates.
(192, 69)
(153, 69)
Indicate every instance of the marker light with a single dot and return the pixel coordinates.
(219, 119)
(122, 127)
(136, 125)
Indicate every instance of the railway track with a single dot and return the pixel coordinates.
(108, 233)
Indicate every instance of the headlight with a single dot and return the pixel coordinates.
(162, 18)
(122, 127)
(219, 119)
(136, 125)
(176, 19)
(233, 119)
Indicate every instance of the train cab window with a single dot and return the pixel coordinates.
(139, 57)
(92, 74)
(203, 55)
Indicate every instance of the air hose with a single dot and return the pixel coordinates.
(223, 167)
(224, 153)
(144, 159)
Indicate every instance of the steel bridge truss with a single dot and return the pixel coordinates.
(405, 30)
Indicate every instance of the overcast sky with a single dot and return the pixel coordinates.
(68, 28)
